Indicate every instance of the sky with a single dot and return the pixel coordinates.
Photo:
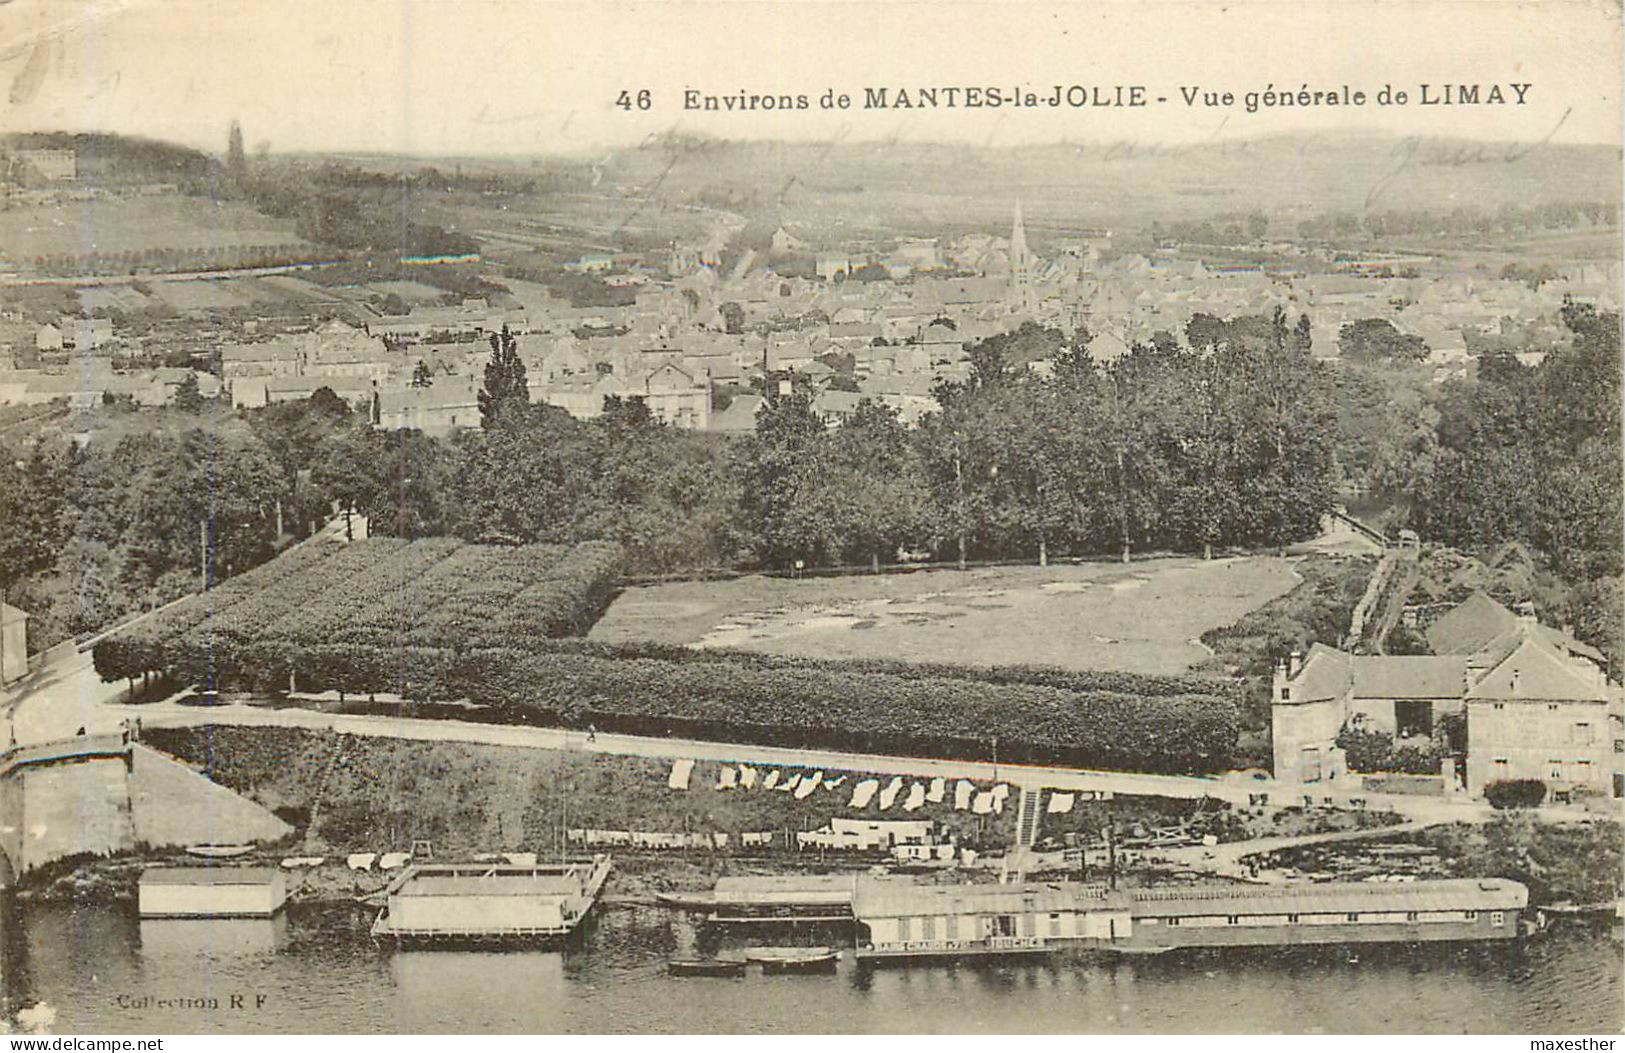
(470, 77)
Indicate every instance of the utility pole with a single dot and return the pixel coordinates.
(959, 488)
(203, 552)
(1111, 848)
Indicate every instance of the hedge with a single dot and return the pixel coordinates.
(381, 592)
(812, 705)
(840, 708)
(1515, 793)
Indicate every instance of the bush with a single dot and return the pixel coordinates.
(1515, 793)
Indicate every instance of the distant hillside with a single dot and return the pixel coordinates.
(1082, 185)
(107, 158)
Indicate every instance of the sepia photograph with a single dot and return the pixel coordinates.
(743, 517)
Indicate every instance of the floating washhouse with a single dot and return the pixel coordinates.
(770, 898)
(900, 921)
(211, 892)
(454, 903)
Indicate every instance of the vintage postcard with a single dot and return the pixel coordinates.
(774, 518)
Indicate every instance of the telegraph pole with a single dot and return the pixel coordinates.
(959, 488)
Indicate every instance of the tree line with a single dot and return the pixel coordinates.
(1230, 437)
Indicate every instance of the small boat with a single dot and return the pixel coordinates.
(687, 900)
(795, 959)
(706, 967)
(219, 851)
(1604, 911)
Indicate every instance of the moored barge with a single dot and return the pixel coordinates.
(950, 921)
(489, 904)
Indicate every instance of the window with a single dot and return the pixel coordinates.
(1582, 733)
(1054, 924)
(1413, 717)
(928, 926)
(1410, 915)
(1554, 770)
(1500, 705)
(1232, 920)
(905, 929)
(1551, 707)
(1173, 921)
(1292, 919)
(1497, 918)
(1469, 915)
(1354, 917)
(1286, 692)
(953, 927)
(1500, 767)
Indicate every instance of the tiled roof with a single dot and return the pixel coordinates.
(1326, 673)
(1536, 672)
(1409, 676)
(1470, 626)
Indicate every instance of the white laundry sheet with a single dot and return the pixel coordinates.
(1060, 803)
(916, 797)
(680, 772)
(889, 794)
(863, 793)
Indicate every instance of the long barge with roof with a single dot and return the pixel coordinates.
(949, 921)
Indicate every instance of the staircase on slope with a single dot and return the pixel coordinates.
(1028, 818)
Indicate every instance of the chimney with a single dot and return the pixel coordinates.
(1294, 663)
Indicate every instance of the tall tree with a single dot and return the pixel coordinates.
(505, 383)
(236, 160)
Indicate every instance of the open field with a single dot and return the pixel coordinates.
(1142, 618)
(135, 224)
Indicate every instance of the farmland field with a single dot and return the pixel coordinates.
(126, 224)
(1142, 618)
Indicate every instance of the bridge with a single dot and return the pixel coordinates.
(98, 795)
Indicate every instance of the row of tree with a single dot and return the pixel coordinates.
(1223, 440)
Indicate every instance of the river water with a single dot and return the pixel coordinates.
(315, 970)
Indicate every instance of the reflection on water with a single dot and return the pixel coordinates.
(314, 969)
(212, 937)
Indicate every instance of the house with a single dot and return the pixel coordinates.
(1535, 703)
(677, 396)
(1538, 715)
(13, 643)
(251, 392)
(784, 242)
(50, 165)
(739, 418)
(274, 358)
(450, 404)
(836, 407)
(86, 334)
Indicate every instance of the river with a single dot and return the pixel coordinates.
(314, 969)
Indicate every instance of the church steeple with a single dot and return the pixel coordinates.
(1021, 263)
(1020, 256)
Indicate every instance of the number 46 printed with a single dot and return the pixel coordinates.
(628, 101)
